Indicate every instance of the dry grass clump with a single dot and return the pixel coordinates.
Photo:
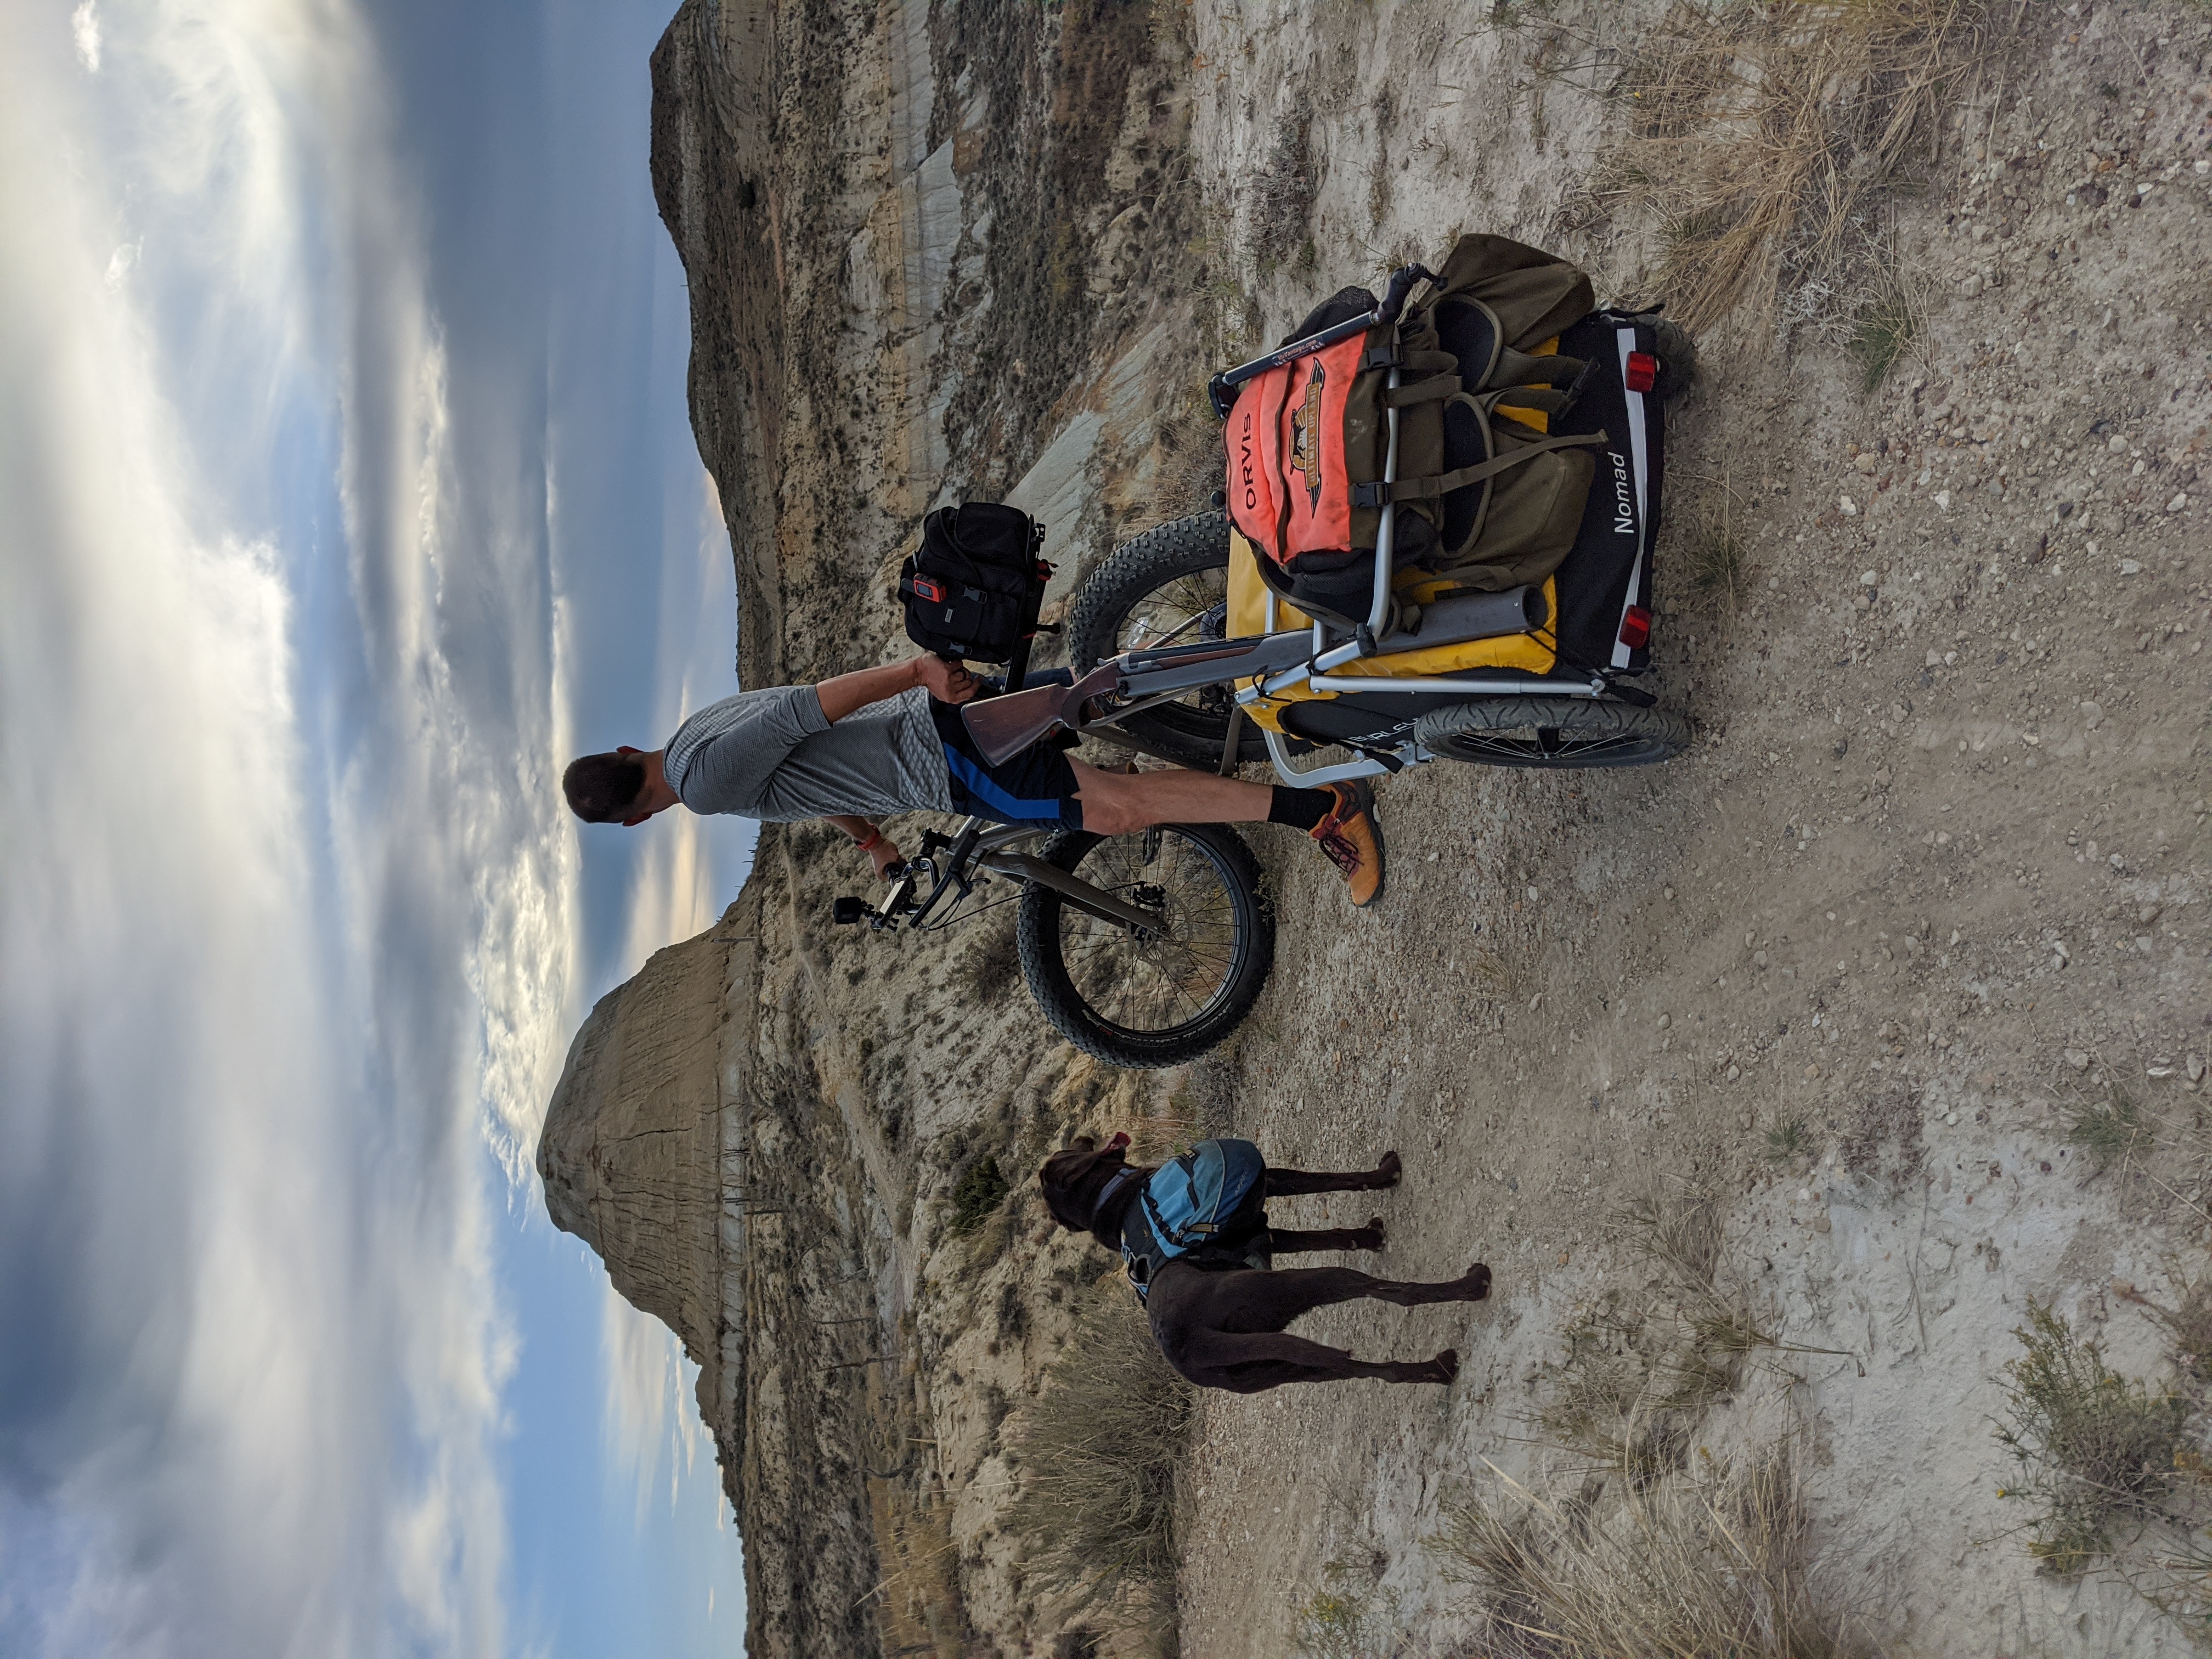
(1882, 330)
(2097, 1450)
(1762, 132)
(1282, 197)
(1097, 1449)
(1789, 1139)
(976, 1196)
(1717, 1567)
(2110, 1132)
(1351, 1617)
(992, 964)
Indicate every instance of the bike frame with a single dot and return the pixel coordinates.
(985, 846)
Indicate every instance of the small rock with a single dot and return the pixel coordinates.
(1942, 837)
(2092, 715)
(1867, 462)
(1943, 499)
(2195, 1067)
(2117, 444)
(1759, 958)
(1881, 773)
(1743, 1120)
(2177, 503)
(1851, 509)
(2077, 1059)
(1970, 288)
(1734, 1072)
(1665, 1020)
(1867, 579)
(1804, 1195)
(2147, 915)
(1821, 1223)
(1950, 1117)
(1811, 1071)
(2131, 567)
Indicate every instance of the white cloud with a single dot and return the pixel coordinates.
(287, 936)
(651, 1416)
(84, 31)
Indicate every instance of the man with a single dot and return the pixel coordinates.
(890, 740)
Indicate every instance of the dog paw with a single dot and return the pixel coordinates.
(1477, 1280)
(1390, 1170)
(1445, 1366)
(1371, 1236)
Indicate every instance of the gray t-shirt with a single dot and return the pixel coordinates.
(774, 756)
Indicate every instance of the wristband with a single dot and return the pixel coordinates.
(875, 838)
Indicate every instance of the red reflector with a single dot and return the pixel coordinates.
(1635, 627)
(1642, 371)
(927, 589)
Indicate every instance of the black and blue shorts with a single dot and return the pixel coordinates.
(1035, 787)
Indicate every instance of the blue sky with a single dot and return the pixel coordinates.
(345, 490)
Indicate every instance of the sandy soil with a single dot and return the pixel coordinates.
(1934, 876)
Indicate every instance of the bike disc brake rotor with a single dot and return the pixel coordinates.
(1141, 980)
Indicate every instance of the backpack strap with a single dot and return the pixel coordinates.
(1429, 489)
(1434, 390)
(1523, 368)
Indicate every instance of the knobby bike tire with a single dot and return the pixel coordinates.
(1040, 936)
(1559, 734)
(1182, 731)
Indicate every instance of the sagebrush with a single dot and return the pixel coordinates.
(2098, 1450)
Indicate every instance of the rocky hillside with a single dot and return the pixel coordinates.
(929, 251)
(1898, 982)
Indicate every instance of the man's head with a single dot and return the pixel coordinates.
(606, 788)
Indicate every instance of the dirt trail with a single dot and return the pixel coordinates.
(1934, 876)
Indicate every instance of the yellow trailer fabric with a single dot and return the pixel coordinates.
(1248, 614)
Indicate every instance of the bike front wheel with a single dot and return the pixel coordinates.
(1140, 998)
(1562, 732)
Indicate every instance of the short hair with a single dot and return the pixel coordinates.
(602, 788)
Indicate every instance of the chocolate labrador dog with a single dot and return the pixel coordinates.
(1224, 1326)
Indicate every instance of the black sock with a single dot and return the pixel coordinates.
(1301, 809)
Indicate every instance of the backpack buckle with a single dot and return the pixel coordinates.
(1371, 494)
(925, 589)
(1379, 357)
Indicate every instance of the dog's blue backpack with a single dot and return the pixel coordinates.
(1204, 1207)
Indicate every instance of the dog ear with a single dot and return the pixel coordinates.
(1081, 1144)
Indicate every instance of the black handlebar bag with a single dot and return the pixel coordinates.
(973, 589)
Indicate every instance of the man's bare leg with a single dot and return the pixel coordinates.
(1115, 803)
(1341, 817)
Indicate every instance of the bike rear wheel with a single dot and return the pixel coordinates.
(1167, 587)
(1142, 1000)
(1561, 733)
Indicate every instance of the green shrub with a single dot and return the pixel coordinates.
(977, 1195)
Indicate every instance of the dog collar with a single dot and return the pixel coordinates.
(1112, 1187)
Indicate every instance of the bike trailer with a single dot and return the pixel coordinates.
(1589, 593)
(1204, 1207)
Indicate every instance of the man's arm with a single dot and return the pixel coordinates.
(847, 693)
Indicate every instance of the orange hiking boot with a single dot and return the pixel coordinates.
(1353, 841)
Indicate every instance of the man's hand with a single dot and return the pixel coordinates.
(872, 840)
(947, 682)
